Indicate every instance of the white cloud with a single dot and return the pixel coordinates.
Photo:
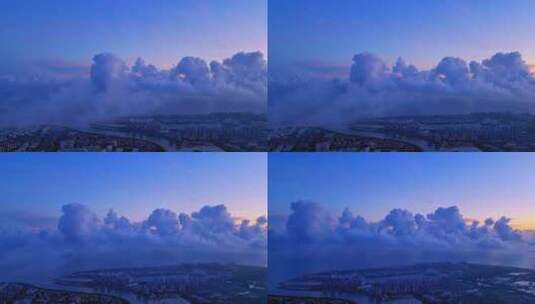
(113, 88)
(372, 88)
(83, 240)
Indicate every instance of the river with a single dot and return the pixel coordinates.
(420, 143)
(358, 298)
(130, 297)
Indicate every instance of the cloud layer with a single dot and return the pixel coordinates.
(313, 239)
(83, 240)
(500, 83)
(112, 88)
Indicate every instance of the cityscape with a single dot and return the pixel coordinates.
(187, 283)
(145, 234)
(407, 77)
(488, 132)
(476, 132)
(24, 293)
(395, 242)
(323, 139)
(230, 132)
(267, 152)
(138, 77)
(425, 283)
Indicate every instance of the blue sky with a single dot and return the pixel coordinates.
(481, 185)
(160, 31)
(422, 32)
(134, 184)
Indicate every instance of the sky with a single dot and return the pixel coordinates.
(162, 32)
(481, 185)
(62, 213)
(353, 60)
(134, 184)
(422, 32)
(330, 211)
(77, 62)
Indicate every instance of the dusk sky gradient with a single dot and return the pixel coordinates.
(422, 32)
(162, 32)
(481, 185)
(134, 184)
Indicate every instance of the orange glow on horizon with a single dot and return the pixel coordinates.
(523, 224)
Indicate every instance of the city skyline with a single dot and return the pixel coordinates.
(235, 152)
(362, 61)
(354, 212)
(74, 64)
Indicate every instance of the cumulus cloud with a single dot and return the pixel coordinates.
(373, 88)
(112, 88)
(163, 222)
(310, 222)
(314, 239)
(367, 68)
(78, 222)
(106, 69)
(83, 240)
